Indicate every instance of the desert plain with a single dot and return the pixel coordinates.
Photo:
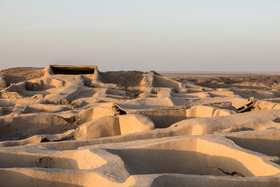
(76, 126)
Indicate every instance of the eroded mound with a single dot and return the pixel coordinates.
(15, 75)
(76, 126)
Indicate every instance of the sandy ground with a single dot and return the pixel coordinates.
(76, 126)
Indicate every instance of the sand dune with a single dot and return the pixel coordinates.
(76, 126)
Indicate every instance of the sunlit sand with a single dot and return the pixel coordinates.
(77, 126)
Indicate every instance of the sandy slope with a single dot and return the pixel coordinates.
(76, 126)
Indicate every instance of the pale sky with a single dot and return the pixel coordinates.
(160, 35)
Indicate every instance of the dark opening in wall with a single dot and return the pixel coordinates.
(72, 70)
(119, 110)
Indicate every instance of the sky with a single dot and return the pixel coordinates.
(144, 35)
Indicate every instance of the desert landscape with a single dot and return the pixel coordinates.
(77, 126)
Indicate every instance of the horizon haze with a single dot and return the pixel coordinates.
(179, 35)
